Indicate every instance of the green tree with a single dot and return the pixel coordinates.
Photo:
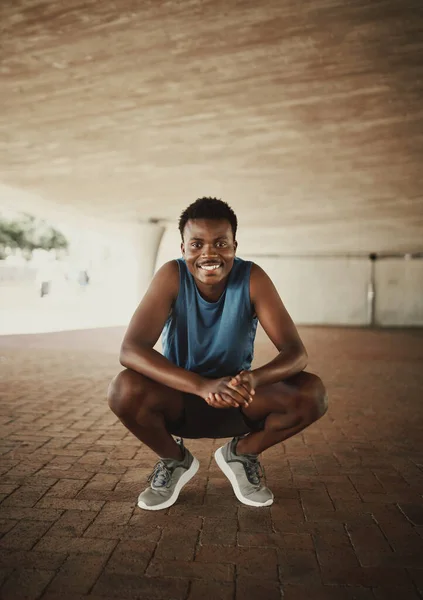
(28, 233)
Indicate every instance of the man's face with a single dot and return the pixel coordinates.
(209, 249)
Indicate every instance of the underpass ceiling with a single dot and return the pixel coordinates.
(293, 113)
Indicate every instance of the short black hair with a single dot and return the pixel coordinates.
(208, 208)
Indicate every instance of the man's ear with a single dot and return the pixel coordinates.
(182, 248)
(235, 245)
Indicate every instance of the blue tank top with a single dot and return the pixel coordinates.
(213, 339)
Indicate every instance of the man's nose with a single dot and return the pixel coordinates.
(209, 250)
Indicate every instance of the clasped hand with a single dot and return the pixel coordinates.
(231, 392)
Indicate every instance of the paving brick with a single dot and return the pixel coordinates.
(326, 464)
(25, 534)
(391, 480)
(252, 520)
(367, 483)
(110, 531)
(117, 495)
(33, 514)
(213, 511)
(65, 488)
(78, 573)
(177, 545)
(115, 512)
(286, 512)
(26, 584)
(7, 488)
(210, 590)
(413, 512)
(162, 518)
(247, 560)
(103, 481)
(219, 485)
(316, 503)
(302, 465)
(370, 545)
(25, 496)
(300, 541)
(223, 501)
(416, 575)
(410, 472)
(4, 574)
(6, 525)
(62, 461)
(251, 588)
(137, 587)
(342, 492)
(298, 566)
(31, 559)
(326, 592)
(402, 536)
(219, 531)
(92, 458)
(72, 523)
(71, 473)
(75, 545)
(70, 504)
(217, 571)
(130, 557)
(394, 593)
(365, 576)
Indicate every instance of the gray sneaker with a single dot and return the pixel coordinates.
(166, 481)
(244, 471)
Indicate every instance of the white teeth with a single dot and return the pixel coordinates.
(210, 267)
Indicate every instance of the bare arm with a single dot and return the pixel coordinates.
(278, 325)
(144, 330)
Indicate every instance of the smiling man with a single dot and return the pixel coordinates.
(207, 305)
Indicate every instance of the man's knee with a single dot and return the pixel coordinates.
(126, 392)
(314, 399)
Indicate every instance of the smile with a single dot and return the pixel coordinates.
(210, 267)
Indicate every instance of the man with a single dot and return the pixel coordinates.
(207, 306)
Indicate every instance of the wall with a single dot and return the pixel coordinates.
(399, 292)
(330, 291)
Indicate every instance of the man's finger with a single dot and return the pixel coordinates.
(230, 400)
(249, 391)
(222, 402)
(246, 383)
(240, 391)
(238, 400)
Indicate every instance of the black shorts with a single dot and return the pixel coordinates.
(199, 420)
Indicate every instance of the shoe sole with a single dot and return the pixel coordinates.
(225, 468)
(189, 474)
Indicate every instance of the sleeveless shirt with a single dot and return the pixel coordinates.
(213, 339)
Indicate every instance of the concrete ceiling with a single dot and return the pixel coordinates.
(296, 113)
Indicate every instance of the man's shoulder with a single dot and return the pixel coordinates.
(169, 268)
(259, 280)
(167, 277)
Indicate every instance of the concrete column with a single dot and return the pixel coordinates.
(146, 243)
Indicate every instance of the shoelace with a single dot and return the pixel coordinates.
(160, 476)
(253, 469)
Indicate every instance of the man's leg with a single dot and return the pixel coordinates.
(288, 407)
(143, 405)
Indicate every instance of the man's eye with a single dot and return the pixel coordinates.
(221, 244)
(195, 245)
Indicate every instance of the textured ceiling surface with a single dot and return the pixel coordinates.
(294, 113)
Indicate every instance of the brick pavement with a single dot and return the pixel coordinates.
(347, 521)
